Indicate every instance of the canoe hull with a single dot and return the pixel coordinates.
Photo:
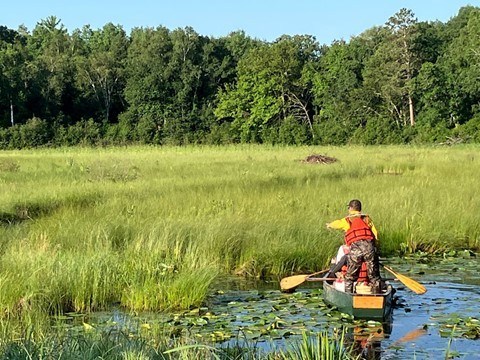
(360, 306)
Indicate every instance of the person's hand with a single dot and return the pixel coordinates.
(328, 225)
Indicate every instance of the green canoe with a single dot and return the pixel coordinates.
(361, 306)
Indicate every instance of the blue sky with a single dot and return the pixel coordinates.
(327, 20)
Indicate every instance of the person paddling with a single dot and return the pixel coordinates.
(360, 236)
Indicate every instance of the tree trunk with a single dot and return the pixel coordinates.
(11, 112)
(412, 113)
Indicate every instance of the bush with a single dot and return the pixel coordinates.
(84, 132)
(291, 132)
(221, 134)
(332, 131)
(378, 131)
(426, 133)
(147, 130)
(470, 131)
(5, 139)
(34, 133)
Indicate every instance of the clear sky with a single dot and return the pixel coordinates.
(327, 20)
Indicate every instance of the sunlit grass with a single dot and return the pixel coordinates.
(99, 344)
(151, 228)
(322, 346)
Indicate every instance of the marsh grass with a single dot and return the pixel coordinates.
(321, 346)
(96, 344)
(151, 228)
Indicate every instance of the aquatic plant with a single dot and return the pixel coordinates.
(322, 346)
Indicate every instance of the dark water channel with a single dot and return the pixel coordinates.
(443, 321)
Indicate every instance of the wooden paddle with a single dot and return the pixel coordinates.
(413, 285)
(291, 282)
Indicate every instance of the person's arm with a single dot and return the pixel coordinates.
(372, 226)
(341, 224)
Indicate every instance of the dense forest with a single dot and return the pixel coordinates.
(403, 82)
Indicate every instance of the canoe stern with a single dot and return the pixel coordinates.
(361, 306)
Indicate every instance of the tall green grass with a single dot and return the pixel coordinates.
(151, 228)
(321, 346)
(93, 344)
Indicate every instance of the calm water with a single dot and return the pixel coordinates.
(262, 316)
(414, 331)
(453, 292)
(442, 302)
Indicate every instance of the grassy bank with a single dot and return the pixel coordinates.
(151, 228)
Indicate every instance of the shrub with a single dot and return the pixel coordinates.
(331, 132)
(470, 131)
(221, 134)
(378, 131)
(84, 132)
(34, 133)
(427, 133)
(291, 132)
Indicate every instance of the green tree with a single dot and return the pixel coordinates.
(12, 94)
(101, 67)
(147, 88)
(186, 81)
(429, 86)
(270, 88)
(460, 65)
(49, 70)
(390, 71)
(173, 77)
(337, 88)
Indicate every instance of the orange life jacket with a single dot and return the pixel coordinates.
(359, 230)
(362, 274)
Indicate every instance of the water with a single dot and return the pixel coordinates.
(420, 328)
(421, 325)
(414, 331)
(440, 305)
(453, 295)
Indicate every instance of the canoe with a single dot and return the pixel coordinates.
(360, 306)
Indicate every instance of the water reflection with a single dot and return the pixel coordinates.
(258, 313)
(366, 340)
(421, 325)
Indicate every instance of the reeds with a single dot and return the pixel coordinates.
(108, 345)
(322, 346)
(151, 228)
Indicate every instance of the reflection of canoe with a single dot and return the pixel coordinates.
(361, 306)
(367, 339)
(373, 330)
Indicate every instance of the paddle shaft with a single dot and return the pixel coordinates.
(413, 285)
(318, 272)
(320, 279)
(291, 282)
(333, 279)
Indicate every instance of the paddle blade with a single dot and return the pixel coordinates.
(291, 282)
(413, 285)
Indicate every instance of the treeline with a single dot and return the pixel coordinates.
(404, 82)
